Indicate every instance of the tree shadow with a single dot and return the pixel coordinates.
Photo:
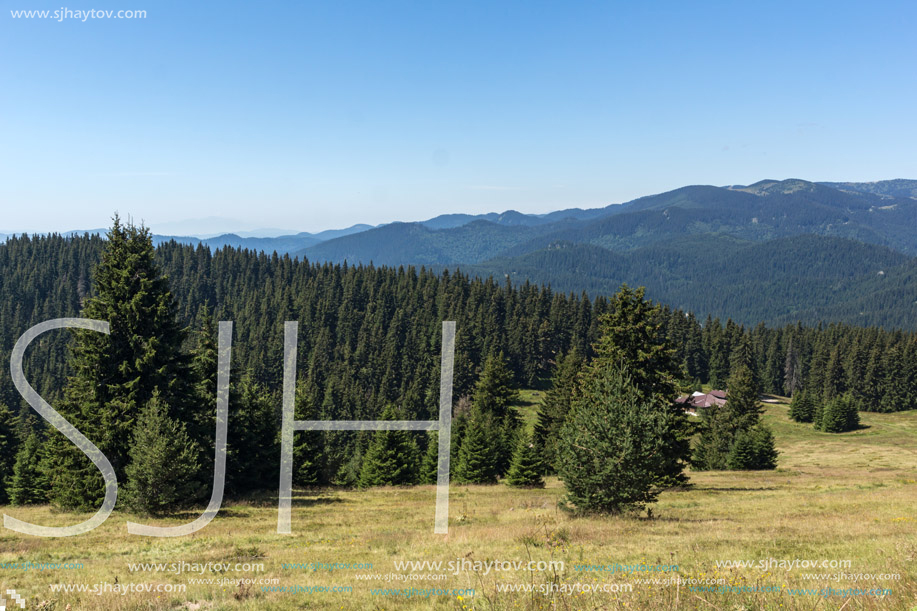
(734, 489)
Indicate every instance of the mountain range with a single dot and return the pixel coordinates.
(774, 251)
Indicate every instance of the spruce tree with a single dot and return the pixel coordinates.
(479, 456)
(9, 446)
(752, 450)
(765, 448)
(526, 467)
(612, 443)
(731, 436)
(633, 338)
(162, 473)
(553, 411)
(253, 451)
(802, 407)
(494, 394)
(308, 446)
(115, 375)
(495, 391)
(429, 466)
(792, 370)
(839, 415)
(28, 484)
(391, 459)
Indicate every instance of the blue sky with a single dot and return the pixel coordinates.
(308, 116)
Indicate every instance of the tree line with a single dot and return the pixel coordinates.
(369, 344)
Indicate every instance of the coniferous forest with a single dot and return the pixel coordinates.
(369, 345)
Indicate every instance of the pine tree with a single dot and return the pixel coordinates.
(802, 407)
(633, 338)
(765, 448)
(731, 435)
(28, 484)
(612, 443)
(742, 454)
(791, 370)
(839, 415)
(753, 450)
(494, 394)
(495, 391)
(429, 466)
(834, 375)
(391, 459)
(252, 424)
(116, 374)
(9, 446)
(527, 466)
(742, 398)
(478, 460)
(164, 462)
(308, 446)
(553, 411)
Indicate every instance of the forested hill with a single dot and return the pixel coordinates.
(804, 278)
(370, 337)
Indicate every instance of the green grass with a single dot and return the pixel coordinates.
(849, 496)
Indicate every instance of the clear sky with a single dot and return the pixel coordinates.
(311, 115)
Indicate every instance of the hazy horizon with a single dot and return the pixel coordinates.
(317, 116)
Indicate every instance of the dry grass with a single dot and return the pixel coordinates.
(848, 496)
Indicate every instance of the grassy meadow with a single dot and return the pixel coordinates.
(834, 497)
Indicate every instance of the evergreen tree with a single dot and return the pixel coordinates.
(495, 391)
(802, 407)
(612, 443)
(308, 446)
(791, 371)
(839, 415)
(731, 435)
(164, 463)
(527, 466)
(478, 459)
(834, 375)
(429, 466)
(28, 484)
(9, 446)
(494, 394)
(553, 411)
(742, 399)
(391, 459)
(252, 424)
(115, 374)
(633, 339)
(753, 450)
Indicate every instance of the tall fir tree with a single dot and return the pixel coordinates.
(9, 446)
(612, 443)
(838, 415)
(555, 407)
(633, 338)
(526, 466)
(792, 370)
(479, 455)
(495, 394)
(28, 484)
(252, 424)
(391, 459)
(164, 462)
(115, 375)
(802, 407)
(731, 436)
(429, 465)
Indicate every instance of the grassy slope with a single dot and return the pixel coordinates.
(849, 496)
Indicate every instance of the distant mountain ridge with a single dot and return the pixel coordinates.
(774, 251)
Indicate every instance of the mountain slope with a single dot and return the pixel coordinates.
(806, 277)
